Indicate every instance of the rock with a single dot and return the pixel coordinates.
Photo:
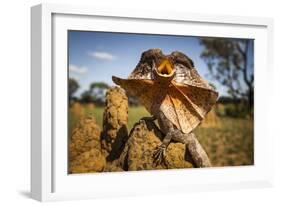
(77, 110)
(85, 152)
(142, 142)
(115, 119)
(89, 161)
(90, 106)
(113, 166)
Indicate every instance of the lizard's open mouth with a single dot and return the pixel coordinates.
(165, 69)
(164, 72)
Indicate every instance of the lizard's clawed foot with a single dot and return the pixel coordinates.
(159, 155)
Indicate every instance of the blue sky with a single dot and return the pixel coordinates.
(96, 56)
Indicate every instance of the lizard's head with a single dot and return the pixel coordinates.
(156, 66)
(170, 84)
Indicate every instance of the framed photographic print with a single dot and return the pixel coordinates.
(135, 102)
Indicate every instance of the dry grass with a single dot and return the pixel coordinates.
(230, 144)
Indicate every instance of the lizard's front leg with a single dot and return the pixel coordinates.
(167, 128)
(159, 154)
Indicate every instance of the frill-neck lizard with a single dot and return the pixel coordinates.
(174, 93)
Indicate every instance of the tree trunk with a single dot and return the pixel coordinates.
(251, 97)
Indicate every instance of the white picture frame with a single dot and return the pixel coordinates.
(49, 177)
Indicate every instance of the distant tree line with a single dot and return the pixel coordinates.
(95, 94)
(230, 100)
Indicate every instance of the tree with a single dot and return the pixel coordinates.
(98, 90)
(73, 86)
(95, 94)
(87, 97)
(99, 87)
(230, 63)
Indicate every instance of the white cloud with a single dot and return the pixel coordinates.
(102, 55)
(77, 70)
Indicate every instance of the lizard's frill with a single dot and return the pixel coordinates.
(184, 105)
(172, 85)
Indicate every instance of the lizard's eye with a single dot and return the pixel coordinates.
(165, 68)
